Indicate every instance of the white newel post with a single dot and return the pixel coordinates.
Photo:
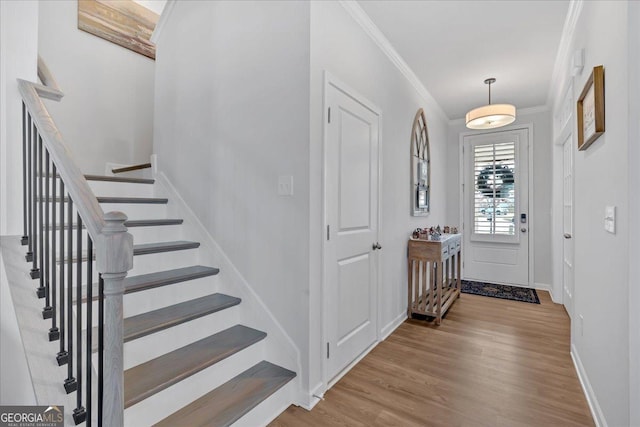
(114, 258)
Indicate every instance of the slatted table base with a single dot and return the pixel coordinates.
(434, 269)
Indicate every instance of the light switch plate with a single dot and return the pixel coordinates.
(285, 185)
(610, 219)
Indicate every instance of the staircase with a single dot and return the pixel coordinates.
(157, 366)
(189, 353)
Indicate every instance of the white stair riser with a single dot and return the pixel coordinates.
(168, 401)
(137, 210)
(121, 189)
(151, 346)
(152, 299)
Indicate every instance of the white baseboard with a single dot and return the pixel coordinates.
(596, 411)
(544, 287)
(313, 398)
(392, 326)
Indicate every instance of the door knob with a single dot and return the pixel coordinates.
(376, 245)
(567, 235)
(524, 230)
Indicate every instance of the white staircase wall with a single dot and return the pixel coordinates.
(107, 111)
(231, 115)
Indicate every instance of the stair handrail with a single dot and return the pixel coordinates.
(108, 233)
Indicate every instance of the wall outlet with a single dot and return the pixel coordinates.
(285, 185)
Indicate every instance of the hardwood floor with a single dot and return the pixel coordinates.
(492, 363)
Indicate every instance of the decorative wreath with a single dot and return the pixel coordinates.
(499, 178)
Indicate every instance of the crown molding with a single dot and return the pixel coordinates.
(372, 30)
(164, 17)
(563, 56)
(519, 112)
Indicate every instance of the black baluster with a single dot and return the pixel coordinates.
(100, 347)
(63, 356)
(29, 256)
(79, 413)
(47, 312)
(89, 323)
(42, 291)
(70, 384)
(54, 332)
(35, 271)
(25, 239)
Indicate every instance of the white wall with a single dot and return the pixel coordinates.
(231, 115)
(155, 5)
(340, 46)
(540, 215)
(634, 212)
(18, 59)
(601, 292)
(106, 114)
(239, 101)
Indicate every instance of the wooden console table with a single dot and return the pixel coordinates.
(434, 275)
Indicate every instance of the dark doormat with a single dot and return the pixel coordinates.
(514, 293)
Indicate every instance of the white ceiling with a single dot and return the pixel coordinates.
(452, 46)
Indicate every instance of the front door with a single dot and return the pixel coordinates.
(351, 216)
(496, 207)
(567, 225)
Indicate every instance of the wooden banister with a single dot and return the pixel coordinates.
(131, 168)
(113, 246)
(46, 77)
(74, 181)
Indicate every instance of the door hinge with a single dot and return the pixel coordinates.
(328, 232)
(327, 350)
(329, 115)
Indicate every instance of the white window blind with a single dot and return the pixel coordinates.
(494, 198)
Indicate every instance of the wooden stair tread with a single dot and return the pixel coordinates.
(154, 248)
(128, 223)
(233, 399)
(143, 282)
(152, 222)
(146, 200)
(168, 277)
(157, 374)
(143, 249)
(109, 199)
(119, 179)
(166, 317)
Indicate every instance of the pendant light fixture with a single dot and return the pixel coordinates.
(491, 116)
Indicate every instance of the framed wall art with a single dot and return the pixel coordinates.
(591, 109)
(125, 23)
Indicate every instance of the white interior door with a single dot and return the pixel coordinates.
(567, 225)
(351, 212)
(496, 207)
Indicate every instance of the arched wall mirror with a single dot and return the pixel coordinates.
(420, 166)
